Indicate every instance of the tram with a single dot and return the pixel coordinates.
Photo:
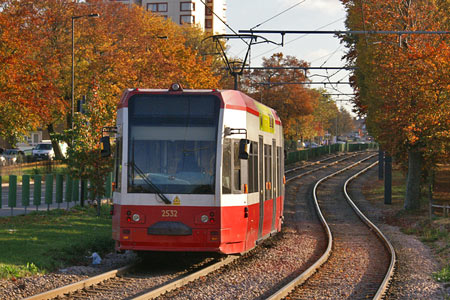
(196, 170)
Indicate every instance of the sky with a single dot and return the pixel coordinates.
(318, 50)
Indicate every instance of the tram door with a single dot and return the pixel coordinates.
(261, 185)
(274, 182)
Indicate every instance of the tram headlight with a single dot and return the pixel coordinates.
(204, 218)
(136, 218)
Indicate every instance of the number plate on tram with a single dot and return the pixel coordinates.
(169, 213)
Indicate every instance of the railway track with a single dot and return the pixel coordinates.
(145, 277)
(237, 274)
(312, 163)
(358, 262)
(296, 173)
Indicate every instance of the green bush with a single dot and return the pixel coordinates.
(443, 275)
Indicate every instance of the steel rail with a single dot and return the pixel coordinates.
(183, 281)
(310, 164)
(71, 288)
(61, 291)
(390, 272)
(77, 286)
(284, 291)
(323, 167)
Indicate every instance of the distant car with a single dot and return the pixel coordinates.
(311, 145)
(43, 151)
(13, 156)
(2, 160)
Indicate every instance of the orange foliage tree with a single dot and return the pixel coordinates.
(22, 77)
(403, 82)
(123, 48)
(291, 101)
(306, 113)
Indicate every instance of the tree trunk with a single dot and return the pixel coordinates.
(99, 204)
(412, 198)
(55, 144)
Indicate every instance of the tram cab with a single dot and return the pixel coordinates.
(196, 170)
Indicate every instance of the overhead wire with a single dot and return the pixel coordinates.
(331, 55)
(296, 39)
(328, 76)
(225, 23)
(279, 14)
(273, 17)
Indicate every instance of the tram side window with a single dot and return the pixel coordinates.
(280, 174)
(253, 168)
(236, 167)
(118, 165)
(226, 167)
(275, 168)
(268, 170)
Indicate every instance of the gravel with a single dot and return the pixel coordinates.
(412, 280)
(257, 275)
(415, 261)
(24, 287)
(358, 259)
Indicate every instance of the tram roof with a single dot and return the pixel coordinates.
(231, 99)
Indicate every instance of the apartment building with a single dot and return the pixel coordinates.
(204, 13)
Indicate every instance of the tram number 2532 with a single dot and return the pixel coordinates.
(169, 213)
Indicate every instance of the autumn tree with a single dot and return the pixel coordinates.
(291, 101)
(342, 123)
(123, 48)
(21, 75)
(144, 51)
(403, 81)
(325, 114)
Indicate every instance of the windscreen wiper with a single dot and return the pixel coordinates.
(150, 183)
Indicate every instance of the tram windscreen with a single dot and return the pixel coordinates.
(173, 143)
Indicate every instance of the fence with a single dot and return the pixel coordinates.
(445, 209)
(57, 189)
(309, 153)
(439, 191)
(21, 168)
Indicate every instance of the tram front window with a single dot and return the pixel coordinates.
(173, 140)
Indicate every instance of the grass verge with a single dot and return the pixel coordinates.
(42, 242)
(432, 231)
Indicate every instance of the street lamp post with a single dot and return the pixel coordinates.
(73, 62)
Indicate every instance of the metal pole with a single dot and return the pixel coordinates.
(73, 74)
(337, 32)
(83, 182)
(337, 116)
(73, 63)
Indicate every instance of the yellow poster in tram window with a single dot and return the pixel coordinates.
(266, 118)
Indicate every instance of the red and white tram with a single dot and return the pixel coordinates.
(196, 170)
